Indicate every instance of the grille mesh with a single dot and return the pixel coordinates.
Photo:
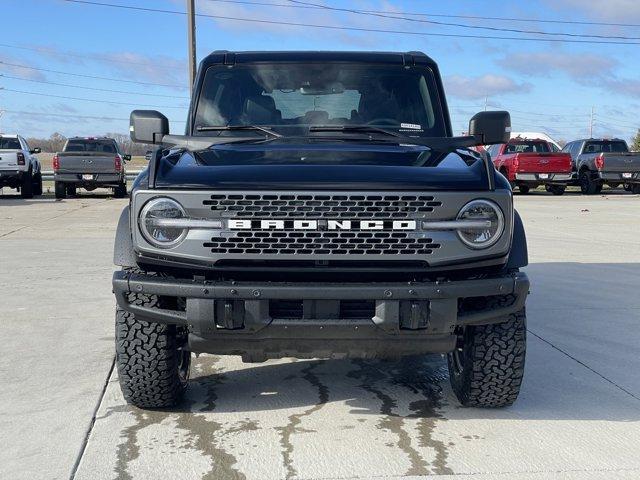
(322, 243)
(349, 206)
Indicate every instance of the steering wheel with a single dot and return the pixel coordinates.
(384, 121)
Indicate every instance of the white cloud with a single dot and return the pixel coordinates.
(485, 85)
(19, 71)
(577, 66)
(624, 11)
(160, 69)
(585, 69)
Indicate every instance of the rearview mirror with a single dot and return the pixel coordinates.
(490, 128)
(148, 126)
(35, 150)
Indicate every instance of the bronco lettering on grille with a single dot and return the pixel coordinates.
(238, 224)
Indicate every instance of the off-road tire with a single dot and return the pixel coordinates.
(72, 190)
(555, 189)
(635, 188)
(120, 191)
(487, 367)
(152, 370)
(37, 184)
(26, 188)
(524, 189)
(587, 185)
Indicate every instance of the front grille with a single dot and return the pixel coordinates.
(322, 243)
(314, 206)
(346, 309)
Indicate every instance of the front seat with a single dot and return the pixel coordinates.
(260, 110)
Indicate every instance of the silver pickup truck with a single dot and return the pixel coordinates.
(598, 162)
(90, 163)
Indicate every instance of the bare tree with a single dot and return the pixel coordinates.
(635, 142)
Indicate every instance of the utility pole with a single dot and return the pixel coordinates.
(1, 113)
(486, 99)
(191, 29)
(591, 124)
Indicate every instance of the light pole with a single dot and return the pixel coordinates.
(191, 32)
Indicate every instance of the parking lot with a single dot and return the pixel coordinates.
(578, 416)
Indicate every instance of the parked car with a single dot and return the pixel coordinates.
(90, 163)
(319, 205)
(600, 161)
(529, 163)
(19, 167)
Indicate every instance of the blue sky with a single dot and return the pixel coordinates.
(547, 86)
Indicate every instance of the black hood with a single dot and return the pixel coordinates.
(333, 166)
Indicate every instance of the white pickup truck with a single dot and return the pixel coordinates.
(19, 167)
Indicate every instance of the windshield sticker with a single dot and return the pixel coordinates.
(411, 126)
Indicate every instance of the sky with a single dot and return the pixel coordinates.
(90, 65)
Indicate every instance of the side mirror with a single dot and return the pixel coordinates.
(148, 156)
(490, 128)
(126, 158)
(148, 126)
(35, 150)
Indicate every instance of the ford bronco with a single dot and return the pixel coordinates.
(319, 205)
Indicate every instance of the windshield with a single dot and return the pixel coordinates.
(605, 146)
(104, 146)
(9, 143)
(527, 147)
(287, 97)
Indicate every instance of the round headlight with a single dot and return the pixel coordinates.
(481, 236)
(156, 220)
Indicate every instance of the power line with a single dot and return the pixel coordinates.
(91, 117)
(440, 15)
(355, 29)
(88, 99)
(458, 25)
(2, 75)
(70, 54)
(111, 79)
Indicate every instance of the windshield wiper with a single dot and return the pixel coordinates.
(354, 129)
(252, 128)
(435, 143)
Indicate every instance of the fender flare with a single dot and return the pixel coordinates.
(519, 255)
(123, 253)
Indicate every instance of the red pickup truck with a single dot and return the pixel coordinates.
(529, 163)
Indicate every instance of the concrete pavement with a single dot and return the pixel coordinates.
(578, 416)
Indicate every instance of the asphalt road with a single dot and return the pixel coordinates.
(62, 414)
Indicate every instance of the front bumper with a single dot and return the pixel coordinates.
(240, 318)
(544, 178)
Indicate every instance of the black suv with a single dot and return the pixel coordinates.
(319, 206)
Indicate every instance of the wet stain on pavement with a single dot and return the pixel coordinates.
(293, 426)
(420, 378)
(205, 435)
(202, 435)
(129, 450)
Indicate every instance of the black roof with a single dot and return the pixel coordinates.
(602, 139)
(398, 58)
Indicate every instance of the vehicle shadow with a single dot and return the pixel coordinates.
(16, 199)
(572, 191)
(575, 367)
